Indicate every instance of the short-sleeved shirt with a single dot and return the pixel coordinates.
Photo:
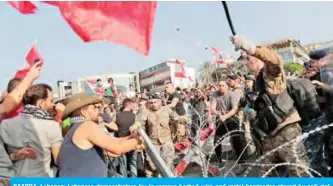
(238, 92)
(226, 102)
(124, 121)
(26, 130)
(180, 110)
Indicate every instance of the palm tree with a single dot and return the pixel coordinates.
(205, 72)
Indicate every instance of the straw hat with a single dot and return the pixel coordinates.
(78, 101)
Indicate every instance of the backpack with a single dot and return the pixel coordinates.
(303, 92)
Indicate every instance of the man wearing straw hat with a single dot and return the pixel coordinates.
(82, 152)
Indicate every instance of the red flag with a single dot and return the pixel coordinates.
(219, 59)
(129, 23)
(179, 70)
(24, 7)
(53, 3)
(30, 59)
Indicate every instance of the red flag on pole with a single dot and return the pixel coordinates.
(219, 59)
(24, 7)
(126, 22)
(32, 57)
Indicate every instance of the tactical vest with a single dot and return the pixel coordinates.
(271, 109)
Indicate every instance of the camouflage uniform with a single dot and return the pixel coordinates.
(294, 152)
(275, 83)
(178, 128)
(314, 145)
(158, 130)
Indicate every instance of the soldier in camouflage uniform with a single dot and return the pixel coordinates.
(271, 79)
(156, 120)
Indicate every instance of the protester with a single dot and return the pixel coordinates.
(35, 127)
(125, 119)
(81, 153)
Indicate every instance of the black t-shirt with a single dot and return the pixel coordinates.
(124, 121)
(179, 106)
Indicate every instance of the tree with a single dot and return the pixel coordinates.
(220, 74)
(239, 67)
(205, 72)
(293, 67)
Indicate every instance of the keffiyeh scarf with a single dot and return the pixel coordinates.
(37, 112)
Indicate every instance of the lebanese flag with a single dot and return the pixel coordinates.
(24, 7)
(30, 59)
(219, 59)
(179, 69)
(124, 22)
(217, 56)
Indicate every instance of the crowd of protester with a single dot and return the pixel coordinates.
(95, 136)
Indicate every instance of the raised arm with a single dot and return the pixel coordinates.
(14, 98)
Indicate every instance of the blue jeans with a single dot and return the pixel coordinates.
(128, 163)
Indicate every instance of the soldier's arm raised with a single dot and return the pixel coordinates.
(271, 58)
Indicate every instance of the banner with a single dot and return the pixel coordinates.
(172, 182)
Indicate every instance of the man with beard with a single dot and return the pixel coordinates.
(234, 86)
(82, 152)
(225, 106)
(34, 127)
(156, 121)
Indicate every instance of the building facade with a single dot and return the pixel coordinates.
(290, 50)
(155, 77)
(121, 80)
(328, 46)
